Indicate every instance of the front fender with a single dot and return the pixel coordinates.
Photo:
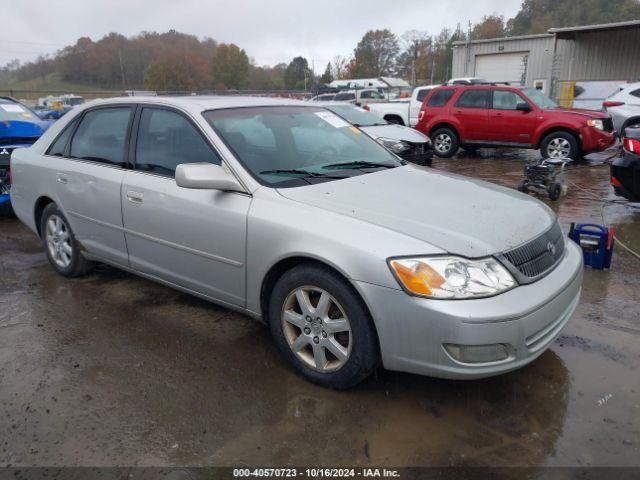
(280, 228)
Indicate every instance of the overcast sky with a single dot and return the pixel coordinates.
(271, 31)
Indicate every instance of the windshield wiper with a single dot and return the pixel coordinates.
(304, 173)
(358, 164)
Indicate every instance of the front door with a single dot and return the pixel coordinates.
(192, 238)
(506, 123)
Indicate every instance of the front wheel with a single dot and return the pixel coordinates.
(322, 327)
(560, 145)
(61, 246)
(445, 142)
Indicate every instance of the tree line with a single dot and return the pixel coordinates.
(175, 61)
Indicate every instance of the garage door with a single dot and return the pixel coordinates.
(502, 67)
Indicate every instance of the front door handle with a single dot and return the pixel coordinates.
(135, 197)
(62, 178)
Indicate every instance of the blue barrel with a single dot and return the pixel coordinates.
(596, 242)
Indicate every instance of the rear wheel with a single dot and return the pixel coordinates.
(555, 190)
(445, 142)
(322, 327)
(62, 248)
(560, 145)
(394, 120)
(6, 210)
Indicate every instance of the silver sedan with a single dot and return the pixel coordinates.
(286, 212)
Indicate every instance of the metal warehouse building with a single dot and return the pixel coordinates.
(595, 56)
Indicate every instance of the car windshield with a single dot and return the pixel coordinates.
(539, 98)
(293, 145)
(12, 111)
(356, 115)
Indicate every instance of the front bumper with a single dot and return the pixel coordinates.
(594, 140)
(420, 154)
(527, 319)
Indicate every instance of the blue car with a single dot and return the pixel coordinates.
(19, 127)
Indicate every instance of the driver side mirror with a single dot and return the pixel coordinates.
(523, 107)
(206, 176)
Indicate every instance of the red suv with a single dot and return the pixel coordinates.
(504, 116)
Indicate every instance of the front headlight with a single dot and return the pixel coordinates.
(599, 124)
(396, 146)
(451, 277)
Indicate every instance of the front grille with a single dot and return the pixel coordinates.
(537, 257)
(607, 124)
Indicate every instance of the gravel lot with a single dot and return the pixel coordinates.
(112, 369)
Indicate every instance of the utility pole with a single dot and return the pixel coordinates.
(124, 83)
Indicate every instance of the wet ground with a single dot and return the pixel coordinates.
(112, 369)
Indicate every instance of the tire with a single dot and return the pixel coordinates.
(445, 142)
(560, 145)
(346, 316)
(57, 235)
(6, 210)
(395, 121)
(522, 187)
(555, 190)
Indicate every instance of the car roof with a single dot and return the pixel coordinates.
(203, 102)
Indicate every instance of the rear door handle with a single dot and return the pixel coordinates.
(61, 178)
(135, 197)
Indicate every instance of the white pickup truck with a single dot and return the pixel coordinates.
(404, 111)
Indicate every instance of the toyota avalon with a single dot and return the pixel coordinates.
(284, 211)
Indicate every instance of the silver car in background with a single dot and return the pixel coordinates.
(624, 107)
(407, 143)
(284, 211)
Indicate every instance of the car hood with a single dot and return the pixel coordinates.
(457, 214)
(396, 132)
(582, 112)
(19, 128)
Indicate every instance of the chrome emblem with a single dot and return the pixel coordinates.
(551, 248)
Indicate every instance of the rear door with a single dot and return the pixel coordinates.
(472, 112)
(88, 180)
(192, 238)
(507, 124)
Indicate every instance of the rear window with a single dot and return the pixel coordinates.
(422, 94)
(344, 97)
(440, 97)
(474, 99)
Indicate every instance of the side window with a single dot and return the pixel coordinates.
(366, 94)
(422, 94)
(441, 97)
(58, 147)
(101, 136)
(503, 100)
(474, 99)
(635, 93)
(166, 139)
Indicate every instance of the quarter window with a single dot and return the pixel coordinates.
(503, 100)
(635, 93)
(440, 97)
(474, 99)
(58, 147)
(166, 139)
(101, 136)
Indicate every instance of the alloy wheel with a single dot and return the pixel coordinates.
(442, 143)
(59, 241)
(317, 329)
(559, 148)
